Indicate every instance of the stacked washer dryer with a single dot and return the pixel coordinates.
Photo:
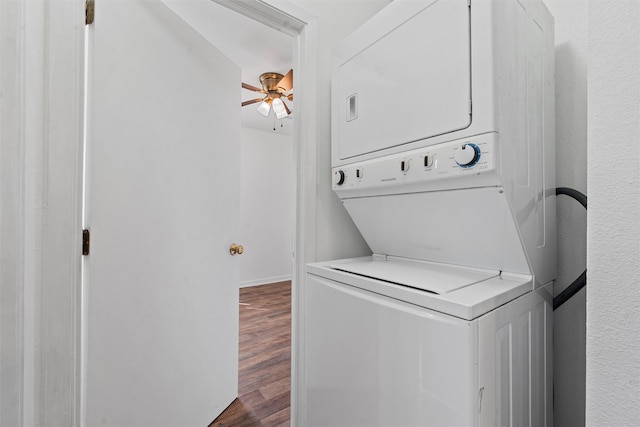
(444, 156)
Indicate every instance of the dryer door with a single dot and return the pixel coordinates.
(403, 76)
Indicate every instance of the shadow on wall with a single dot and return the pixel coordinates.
(571, 166)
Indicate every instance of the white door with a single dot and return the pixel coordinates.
(160, 318)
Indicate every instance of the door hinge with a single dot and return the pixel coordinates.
(470, 108)
(86, 241)
(89, 11)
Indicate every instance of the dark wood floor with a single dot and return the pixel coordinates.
(264, 378)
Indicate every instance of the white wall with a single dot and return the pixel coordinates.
(613, 237)
(266, 206)
(336, 235)
(571, 39)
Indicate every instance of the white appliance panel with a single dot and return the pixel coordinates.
(515, 347)
(404, 87)
(376, 361)
(527, 127)
(425, 169)
(472, 227)
(465, 302)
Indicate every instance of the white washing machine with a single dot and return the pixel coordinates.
(413, 351)
(443, 154)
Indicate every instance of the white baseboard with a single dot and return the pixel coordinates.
(263, 281)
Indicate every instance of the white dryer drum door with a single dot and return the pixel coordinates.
(411, 84)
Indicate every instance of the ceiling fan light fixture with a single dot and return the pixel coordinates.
(276, 89)
(265, 107)
(279, 108)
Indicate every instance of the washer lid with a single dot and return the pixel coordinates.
(437, 279)
(466, 293)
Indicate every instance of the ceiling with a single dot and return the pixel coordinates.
(255, 47)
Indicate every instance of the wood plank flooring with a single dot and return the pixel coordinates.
(264, 378)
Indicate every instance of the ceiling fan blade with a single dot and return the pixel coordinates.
(286, 82)
(253, 88)
(252, 101)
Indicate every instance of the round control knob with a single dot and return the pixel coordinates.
(338, 177)
(467, 155)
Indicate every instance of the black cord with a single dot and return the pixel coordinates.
(570, 290)
(573, 193)
(581, 281)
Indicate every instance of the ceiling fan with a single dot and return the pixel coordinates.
(276, 89)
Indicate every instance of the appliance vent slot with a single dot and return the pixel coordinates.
(386, 281)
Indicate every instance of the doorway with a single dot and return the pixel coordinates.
(301, 25)
(267, 208)
(267, 204)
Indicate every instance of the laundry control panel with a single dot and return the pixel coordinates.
(467, 163)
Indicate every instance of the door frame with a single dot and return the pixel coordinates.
(45, 47)
(285, 16)
(51, 48)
